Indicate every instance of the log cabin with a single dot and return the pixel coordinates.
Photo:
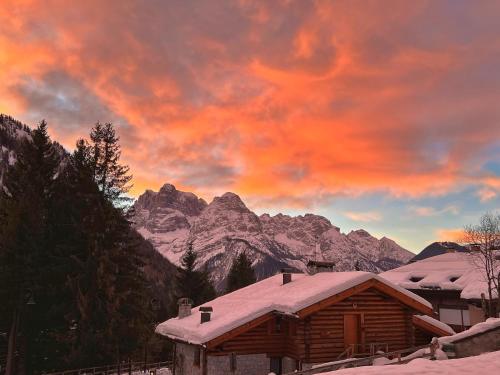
(294, 321)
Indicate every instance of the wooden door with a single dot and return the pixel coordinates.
(276, 365)
(352, 330)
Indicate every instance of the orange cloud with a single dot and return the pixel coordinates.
(271, 100)
(452, 235)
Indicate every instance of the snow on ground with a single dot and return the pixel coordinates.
(485, 364)
(244, 305)
(475, 329)
(451, 271)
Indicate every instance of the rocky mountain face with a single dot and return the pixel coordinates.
(219, 231)
(11, 134)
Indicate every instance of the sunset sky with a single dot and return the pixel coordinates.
(382, 115)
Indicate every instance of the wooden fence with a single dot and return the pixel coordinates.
(367, 361)
(128, 368)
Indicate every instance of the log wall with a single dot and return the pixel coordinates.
(320, 336)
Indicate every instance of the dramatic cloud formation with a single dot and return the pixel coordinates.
(288, 103)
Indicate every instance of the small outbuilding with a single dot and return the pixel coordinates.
(293, 321)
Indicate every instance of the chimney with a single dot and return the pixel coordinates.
(315, 266)
(206, 312)
(287, 275)
(184, 307)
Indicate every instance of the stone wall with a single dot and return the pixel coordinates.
(254, 364)
(288, 365)
(484, 342)
(184, 360)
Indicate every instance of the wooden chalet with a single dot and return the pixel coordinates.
(294, 321)
(452, 282)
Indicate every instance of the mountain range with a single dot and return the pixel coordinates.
(171, 219)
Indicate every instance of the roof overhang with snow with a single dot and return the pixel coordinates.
(240, 311)
(432, 325)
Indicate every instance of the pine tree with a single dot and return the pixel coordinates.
(241, 273)
(25, 247)
(191, 283)
(112, 178)
(112, 298)
(63, 239)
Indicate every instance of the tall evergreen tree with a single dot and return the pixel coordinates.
(191, 283)
(26, 204)
(63, 240)
(112, 178)
(111, 293)
(241, 273)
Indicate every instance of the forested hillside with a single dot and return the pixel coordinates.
(80, 287)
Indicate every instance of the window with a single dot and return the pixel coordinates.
(292, 328)
(416, 279)
(454, 278)
(232, 362)
(196, 358)
(276, 326)
(454, 316)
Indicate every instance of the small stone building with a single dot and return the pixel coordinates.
(294, 321)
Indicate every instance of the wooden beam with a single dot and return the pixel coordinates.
(426, 326)
(239, 330)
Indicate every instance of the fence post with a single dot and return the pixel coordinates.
(434, 345)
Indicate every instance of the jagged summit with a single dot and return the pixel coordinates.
(230, 201)
(224, 228)
(169, 197)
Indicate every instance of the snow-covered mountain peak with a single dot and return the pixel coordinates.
(221, 230)
(229, 201)
(359, 233)
(169, 197)
(167, 188)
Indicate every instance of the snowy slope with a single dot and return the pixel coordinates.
(221, 230)
(488, 363)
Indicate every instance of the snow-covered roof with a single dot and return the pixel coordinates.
(430, 320)
(242, 306)
(451, 271)
(490, 323)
